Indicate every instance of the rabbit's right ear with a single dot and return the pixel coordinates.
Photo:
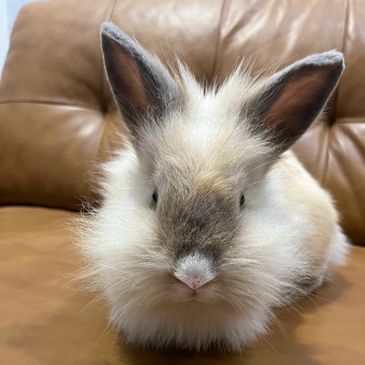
(287, 103)
(143, 88)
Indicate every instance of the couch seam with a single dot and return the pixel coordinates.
(94, 156)
(50, 102)
(104, 86)
(342, 47)
(217, 45)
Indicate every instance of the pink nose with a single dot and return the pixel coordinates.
(193, 282)
(194, 271)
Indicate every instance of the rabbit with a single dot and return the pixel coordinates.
(208, 221)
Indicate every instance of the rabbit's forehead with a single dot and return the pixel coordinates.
(208, 143)
(210, 137)
(216, 163)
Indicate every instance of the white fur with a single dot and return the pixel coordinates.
(288, 229)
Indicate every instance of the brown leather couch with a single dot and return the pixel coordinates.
(58, 120)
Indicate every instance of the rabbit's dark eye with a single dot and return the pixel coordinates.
(242, 201)
(154, 199)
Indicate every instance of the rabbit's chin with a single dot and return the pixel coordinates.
(193, 327)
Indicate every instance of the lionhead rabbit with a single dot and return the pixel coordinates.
(208, 222)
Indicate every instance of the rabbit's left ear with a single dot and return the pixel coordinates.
(141, 84)
(288, 102)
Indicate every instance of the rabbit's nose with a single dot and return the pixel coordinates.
(194, 282)
(194, 271)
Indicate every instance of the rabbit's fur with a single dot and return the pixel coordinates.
(200, 150)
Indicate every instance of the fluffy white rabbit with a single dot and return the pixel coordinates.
(208, 221)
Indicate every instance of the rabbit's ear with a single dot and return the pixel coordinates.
(141, 85)
(290, 100)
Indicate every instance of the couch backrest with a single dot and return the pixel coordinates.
(58, 120)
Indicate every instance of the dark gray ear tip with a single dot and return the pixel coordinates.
(109, 30)
(335, 58)
(330, 58)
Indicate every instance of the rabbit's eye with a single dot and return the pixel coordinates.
(242, 201)
(154, 199)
